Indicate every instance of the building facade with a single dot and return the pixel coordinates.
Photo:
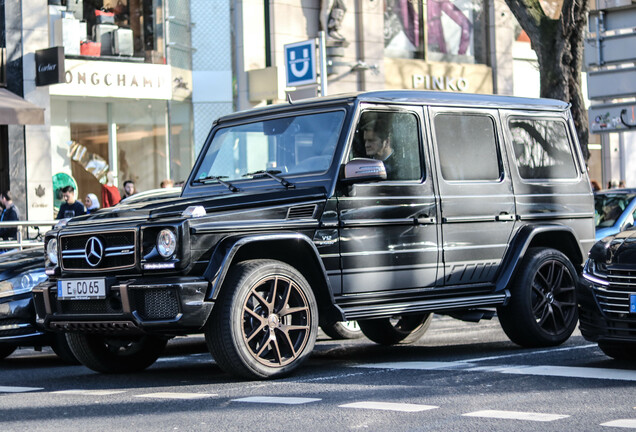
(141, 104)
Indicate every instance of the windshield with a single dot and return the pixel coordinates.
(608, 208)
(288, 145)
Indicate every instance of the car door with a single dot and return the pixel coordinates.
(476, 193)
(388, 229)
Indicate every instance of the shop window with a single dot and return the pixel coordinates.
(436, 30)
(127, 29)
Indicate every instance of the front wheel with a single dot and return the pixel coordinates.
(6, 350)
(115, 354)
(265, 322)
(396, 330)
(542, 308)
(60, 346)
(619, 351)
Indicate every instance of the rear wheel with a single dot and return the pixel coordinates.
(112, 354)
(542, 308)
(342, 330)
(265, 322)
(6, 350)
(619, 351)
(396, 330)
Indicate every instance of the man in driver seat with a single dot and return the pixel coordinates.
(377, 145)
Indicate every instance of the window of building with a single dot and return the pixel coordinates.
(91, 138)
(436, 30)
(467, 147)
(127, 29)
(392, 137)
(542, 149)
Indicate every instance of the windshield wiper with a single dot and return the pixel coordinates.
(270, 174)
(218, 179)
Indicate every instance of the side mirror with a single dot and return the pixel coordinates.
(364, 170)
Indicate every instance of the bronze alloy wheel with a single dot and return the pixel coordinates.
(276, 321)
(553, 297)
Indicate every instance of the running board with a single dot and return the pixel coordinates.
(437, 305)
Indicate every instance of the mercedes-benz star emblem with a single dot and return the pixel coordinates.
(94, 251)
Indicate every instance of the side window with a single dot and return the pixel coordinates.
(467, 147)
(392, 137)
(542, 149)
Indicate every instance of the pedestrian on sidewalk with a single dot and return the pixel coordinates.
(10, 213)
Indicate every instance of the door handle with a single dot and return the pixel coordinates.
(425, 220)
(504, 216)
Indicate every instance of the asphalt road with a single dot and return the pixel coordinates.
(458, 377)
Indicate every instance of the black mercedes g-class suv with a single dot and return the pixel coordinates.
(381, 207)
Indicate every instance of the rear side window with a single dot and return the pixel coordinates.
(542, 149)
(467, 147)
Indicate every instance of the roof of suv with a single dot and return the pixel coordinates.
(411, 97)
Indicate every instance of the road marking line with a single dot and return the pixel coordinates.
(550, 350)
(624, 423)
(277, 400)
(542, 370)
(7, 389)
(388, 406)
(516, 415)
(573, 372)
(168, 395)
(90, 392)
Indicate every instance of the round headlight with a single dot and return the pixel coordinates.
(51, 251)
(166, 243)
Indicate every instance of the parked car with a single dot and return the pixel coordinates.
(614, 211)
(379, 207)
(20, 271)
(606, 295)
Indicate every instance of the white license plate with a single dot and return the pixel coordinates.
(81, 289)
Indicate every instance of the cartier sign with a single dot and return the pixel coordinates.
(115, 79)
(49, 66)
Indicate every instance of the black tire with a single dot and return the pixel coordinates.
(619, 351)
(342, 330)
(6, 350)
(542, 309)
(265, 321)
(60, 346)
(116, 354)
(396, 330)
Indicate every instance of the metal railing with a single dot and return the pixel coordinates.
(28, 235)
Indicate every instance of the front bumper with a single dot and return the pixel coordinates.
(597, 324)
(169, 306)
(17, 323)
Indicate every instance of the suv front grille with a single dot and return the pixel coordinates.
(614, 299)
(118, 251)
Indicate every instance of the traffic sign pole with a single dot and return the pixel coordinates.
(323, 62)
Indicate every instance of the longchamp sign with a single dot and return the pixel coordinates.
(115, 80)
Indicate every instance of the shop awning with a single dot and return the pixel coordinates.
(16, 111)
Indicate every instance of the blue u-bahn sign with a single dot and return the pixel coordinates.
(300, 63)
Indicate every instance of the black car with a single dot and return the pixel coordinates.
(606, 296)
(380, 207)
(20, 271)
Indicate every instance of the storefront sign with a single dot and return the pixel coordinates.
(451, 77)
(115, 80)
(428, 82)
(49, 66)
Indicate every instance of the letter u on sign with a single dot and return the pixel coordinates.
(300, 63)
